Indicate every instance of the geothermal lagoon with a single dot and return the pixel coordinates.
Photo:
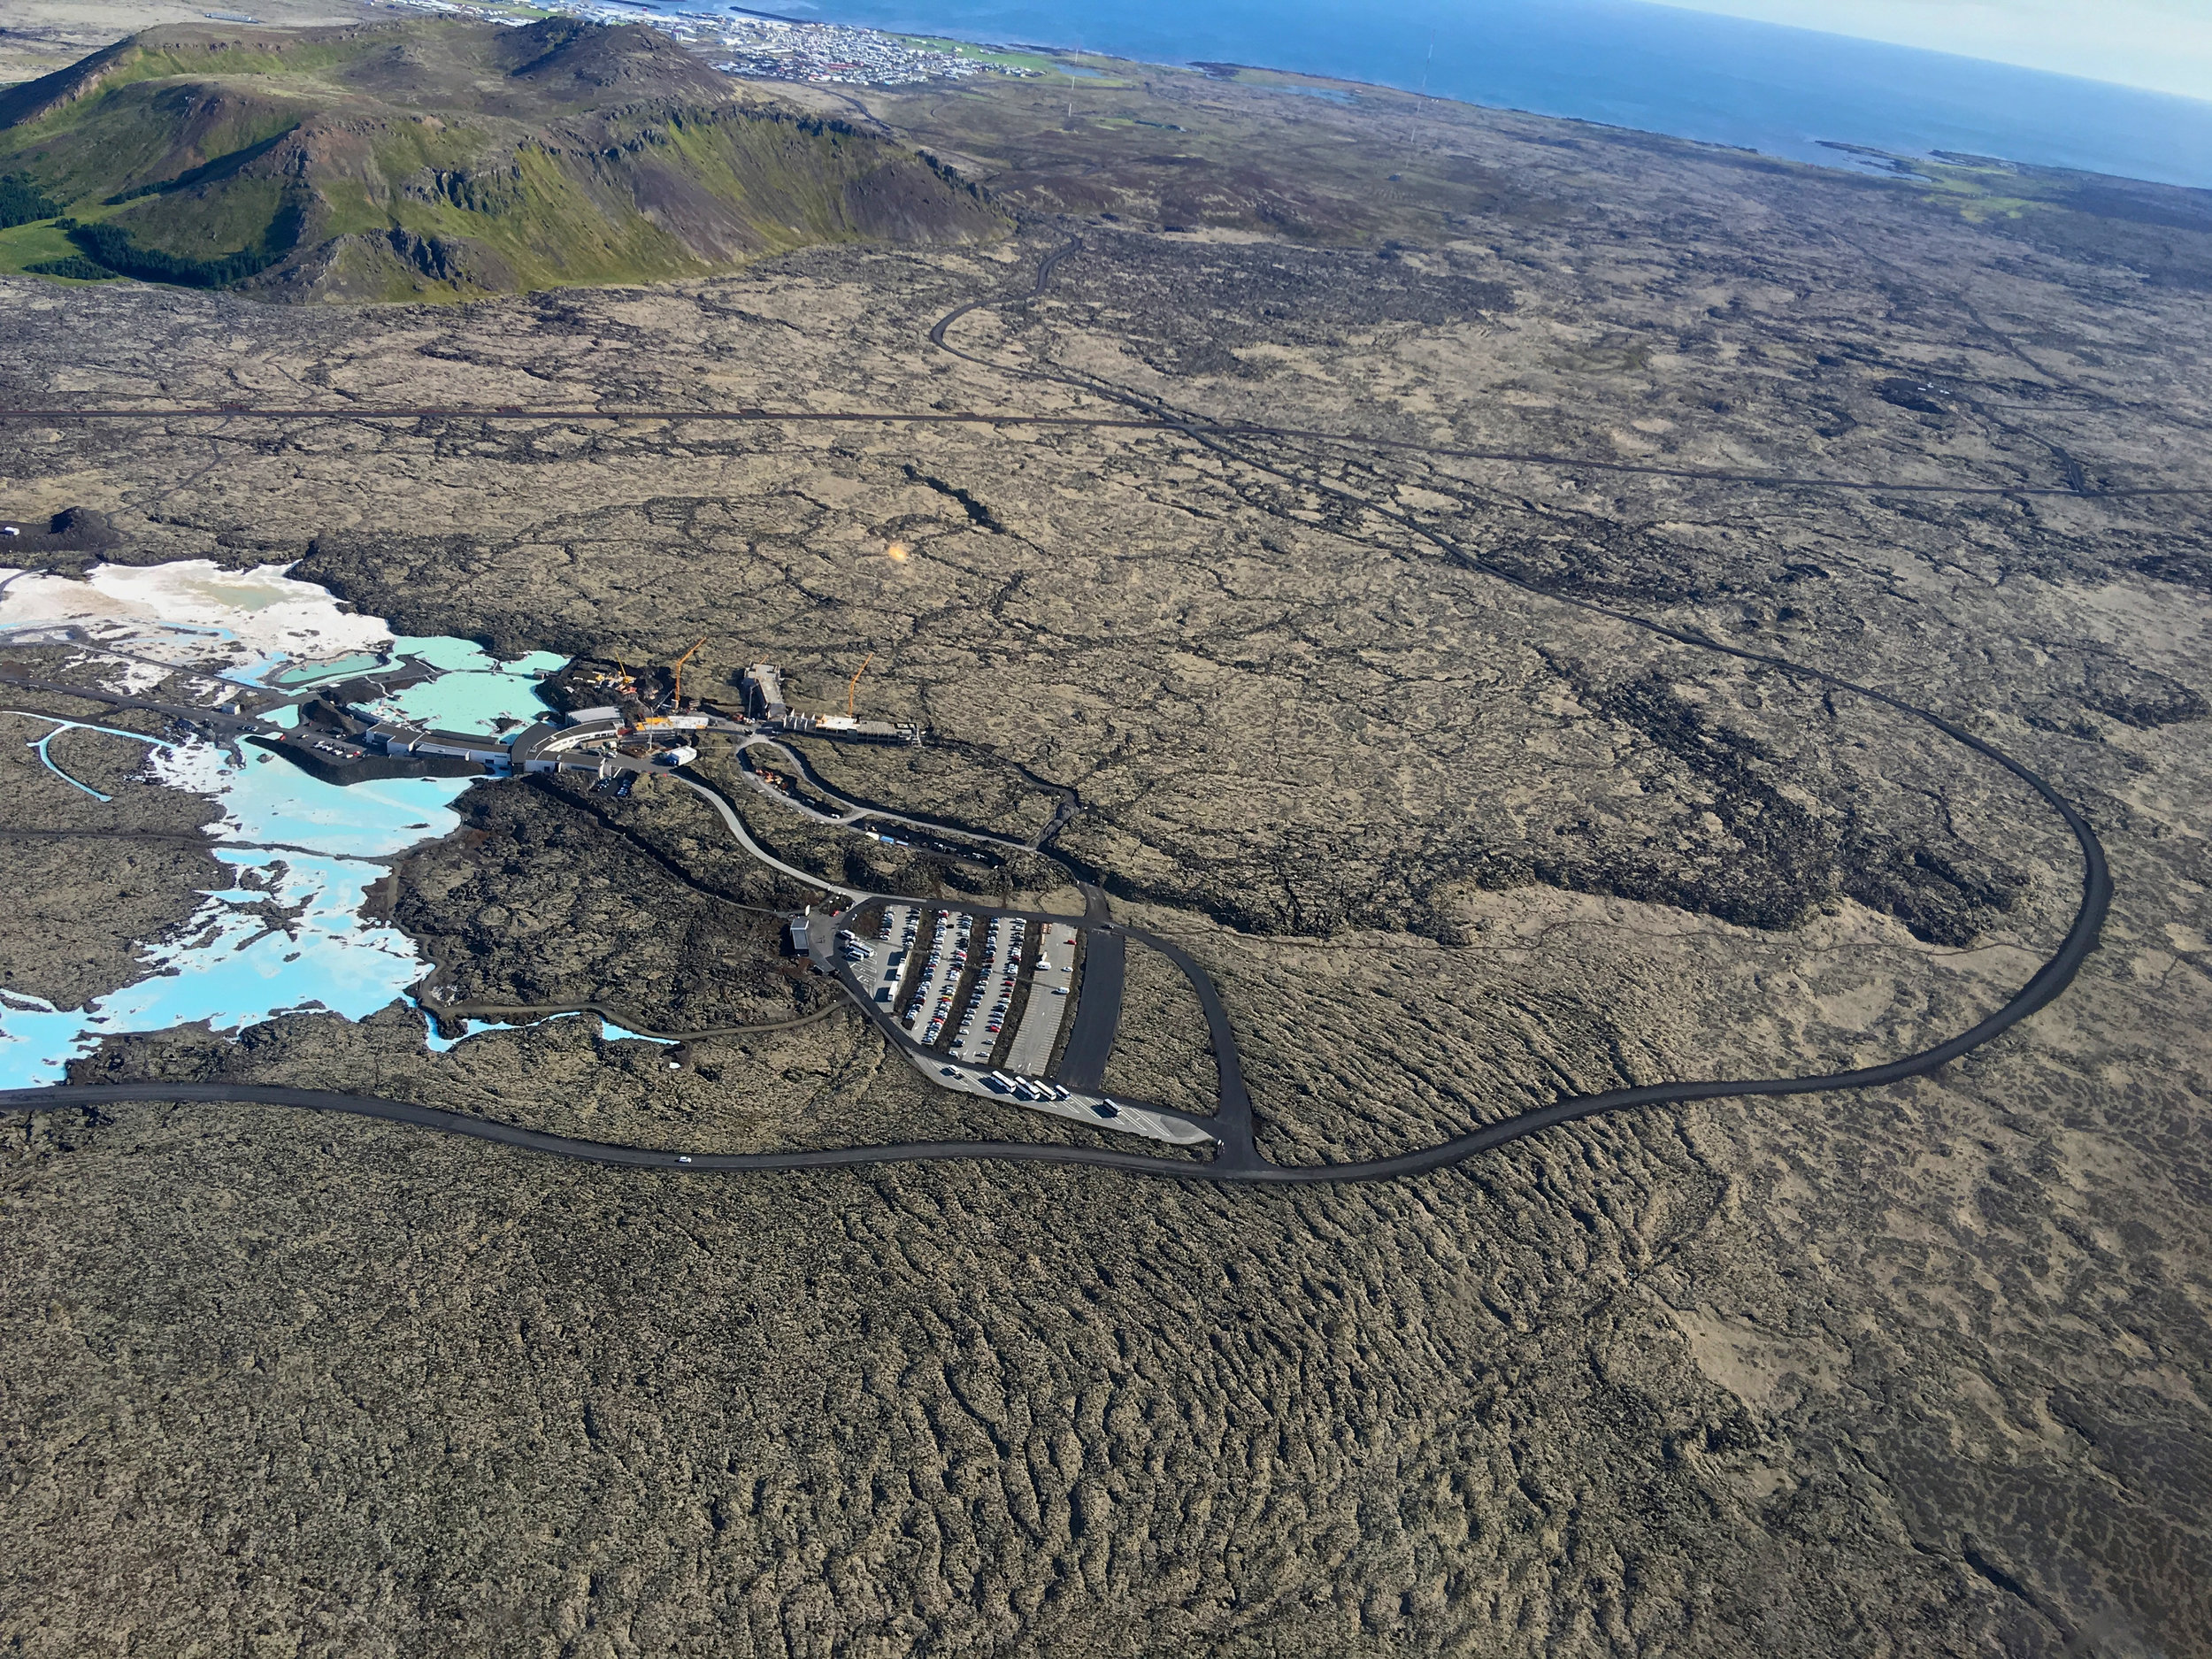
(308, 846)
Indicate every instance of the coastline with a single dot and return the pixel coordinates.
(1791, 94)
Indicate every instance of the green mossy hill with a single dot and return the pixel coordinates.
(442, 159)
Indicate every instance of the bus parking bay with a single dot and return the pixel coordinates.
(912, 963)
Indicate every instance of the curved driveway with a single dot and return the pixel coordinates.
(1240, 1159)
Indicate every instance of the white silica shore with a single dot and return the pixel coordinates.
(226, 967)
(194, 614)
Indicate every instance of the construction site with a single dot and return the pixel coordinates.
(1011, 1005)
(603, 718)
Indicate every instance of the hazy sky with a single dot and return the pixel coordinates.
(2165, 44)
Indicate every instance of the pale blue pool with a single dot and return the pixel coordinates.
(226, 968)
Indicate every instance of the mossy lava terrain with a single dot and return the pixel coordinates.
(1254, 544)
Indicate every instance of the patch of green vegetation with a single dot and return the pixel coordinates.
(1977, 192)
(1980, 191)
(115, 248)
(300, 54)
(72, 268)
(349, 210)
(414, 144)
(2164, 236)
(554, 232)
(436, 156)
(142, 138)
(210, 221)
(1107, 70)
(983, 54)
(1099, 73)
(789, 175)
(23, 246)
(234, 146)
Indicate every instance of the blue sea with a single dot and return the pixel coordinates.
(1626, 64)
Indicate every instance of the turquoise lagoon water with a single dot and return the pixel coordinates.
(42, 747)
(227, 967)
(609, 1031)
(477, 1027)
(231, 970)
(316, 673)
(476, 692)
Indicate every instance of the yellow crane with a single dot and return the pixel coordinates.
(681, 661)
(852, 690)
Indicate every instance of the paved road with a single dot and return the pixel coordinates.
(1097, 1010)
(1239, 1159)
(884, 1019)
(861, 810)
(728, 815)
(213, 718)
(858, 812)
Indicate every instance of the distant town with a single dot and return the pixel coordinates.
(762, 47)
(830, 53)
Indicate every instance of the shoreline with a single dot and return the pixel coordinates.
(1949, 99)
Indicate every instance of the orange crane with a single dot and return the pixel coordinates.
(853, 689)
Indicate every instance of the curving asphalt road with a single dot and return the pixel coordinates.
(1097, 1010)
(724, 811)
(858, 812)
(1239, 1159)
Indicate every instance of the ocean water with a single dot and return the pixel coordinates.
(1626, 64)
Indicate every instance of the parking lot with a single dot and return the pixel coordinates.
(885, 962)
(929, 1004)
(1050, 990)
(997, 974)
